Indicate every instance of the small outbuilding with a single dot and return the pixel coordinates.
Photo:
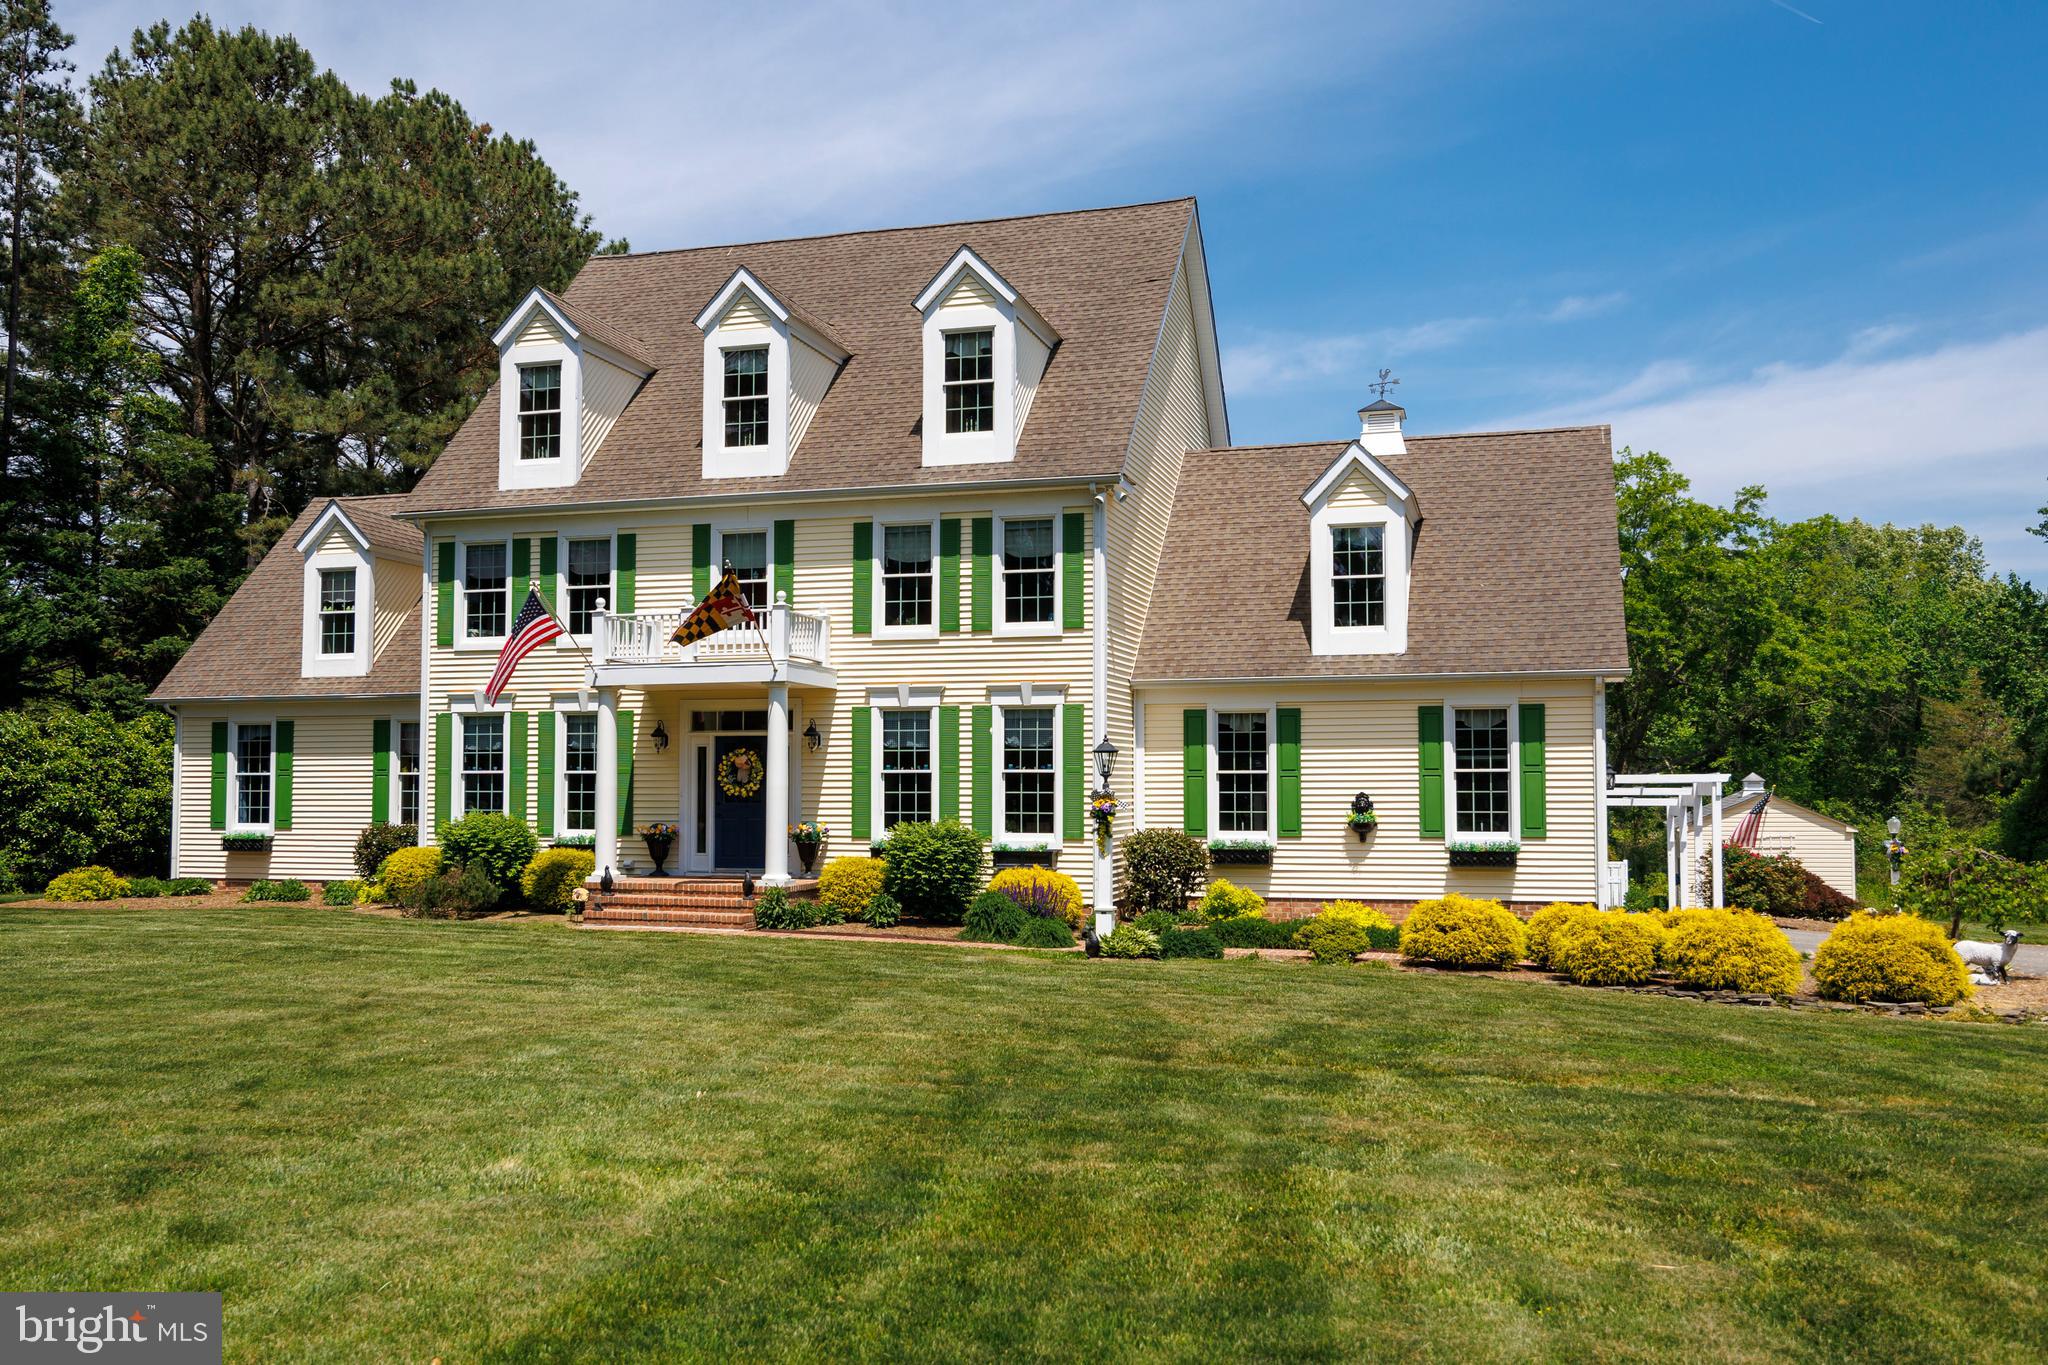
(1823, 845)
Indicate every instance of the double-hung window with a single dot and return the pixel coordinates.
(746, 396)
(252, 776)
(587, 582)
(1243, 780)
(1358, 575)
(1028, 571)
(970, 382)
(1028, 773)
(906, 767)
(540, 412)
(483, 764)
(484, 583)
(747, 552)
(579, 774)
(337, 611)
(907, 575)
(1481, 755)
(408, 772)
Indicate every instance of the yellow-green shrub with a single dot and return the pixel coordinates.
(1546, 922)
(1462, 931)
(406, 873)
(93, 883)
(1729, 950)
(1890, 957)
(1604, 948)
(550, 879)
(848, 884)
(1225, 899)
(1356, 912)
(1038, 889)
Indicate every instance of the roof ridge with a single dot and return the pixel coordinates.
(1432, 436)
(881, 231)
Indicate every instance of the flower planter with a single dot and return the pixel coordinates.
(1484, 857)
(245, 843)
(1259, 855)
(658, 847)
(1024, 857)
(807, 855)
(1364, 831)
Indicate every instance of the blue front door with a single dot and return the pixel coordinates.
(736, 821)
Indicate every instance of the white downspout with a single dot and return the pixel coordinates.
(429, 604)
(1602, 899)
(1104, 890)
(177, 779)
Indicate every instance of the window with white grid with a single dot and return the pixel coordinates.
(1481, 754)
(1028, 774)
(970, 382)
(579, 774)
(746, 396)
(1242, 779)
(587, 581)
(408, 772)
(906, 741)
(1028, 570)
(540, 412)
(1358, 575)
(907, 575)
(252, 775)
(483, 764)
(747, 552)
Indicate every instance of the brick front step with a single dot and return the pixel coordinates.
(699, 901)
(614, 913)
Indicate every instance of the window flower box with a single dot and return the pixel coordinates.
(253, 841)
(1484, 855)
(1023, 855)
(577, 841)
(1241, 852)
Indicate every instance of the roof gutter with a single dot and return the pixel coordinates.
(1604, 675)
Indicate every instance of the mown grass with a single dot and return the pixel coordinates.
(390, 1139)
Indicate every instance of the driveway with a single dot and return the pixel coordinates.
(2032, 958)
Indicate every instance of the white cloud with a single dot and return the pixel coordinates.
(1272, 362)
(1869, 341)
(1574, 307)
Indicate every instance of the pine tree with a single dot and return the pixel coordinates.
(39, 122)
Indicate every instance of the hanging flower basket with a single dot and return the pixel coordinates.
(1484, 855)
(1363, 823)
(1241, 852)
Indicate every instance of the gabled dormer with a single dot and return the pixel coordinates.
(563, 379)
(338, 625)
(1362, 521)
(985, 350)
(766, 369)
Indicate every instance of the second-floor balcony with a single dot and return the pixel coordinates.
(782, 645)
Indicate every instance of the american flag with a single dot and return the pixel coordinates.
(1752, 825)
(533, 627)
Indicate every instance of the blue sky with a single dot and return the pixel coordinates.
(1806, 247)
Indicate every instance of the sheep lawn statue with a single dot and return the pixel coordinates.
(1987, 961)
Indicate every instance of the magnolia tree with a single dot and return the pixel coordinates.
(1975, 884)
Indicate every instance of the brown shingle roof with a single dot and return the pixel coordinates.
(600, 331)
(1099, 276)
(1517, 568)
(252, 648)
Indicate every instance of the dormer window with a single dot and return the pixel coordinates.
(1361, 523)
(337, 611)
(564, 378)
(985, 351)
(970, 382)
(540, 412)
(767, 368)
(746, 396)
(1358, 575)
(340, 593)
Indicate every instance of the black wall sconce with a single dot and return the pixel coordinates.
(660, 736)
(812, 739)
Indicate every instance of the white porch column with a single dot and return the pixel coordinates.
(1672, 815)
(1600, 854)
(607, 781)
(775, 865)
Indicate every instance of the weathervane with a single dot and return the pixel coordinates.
(1386, 381)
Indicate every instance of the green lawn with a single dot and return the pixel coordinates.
(394, 1140)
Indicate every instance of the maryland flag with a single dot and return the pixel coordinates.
(721, 608)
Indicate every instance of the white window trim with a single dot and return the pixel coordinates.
(899, 699)
(1452, 832)
(561, 471)
(1040, 699)
(879, 588)
(1001, 623)
(560, 718)
(312, 662)
(463, 640)
(1003, 318)
(464, 716)
(741, 462)
(1394, 517)
(236, 825)
(1270, 834)
(558, 591)
(395, 797)
(765, 530)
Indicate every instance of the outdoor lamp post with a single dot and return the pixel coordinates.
(1895, 854)
(1105, 762)
(1104, 806)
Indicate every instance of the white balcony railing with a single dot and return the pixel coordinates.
(647, 637)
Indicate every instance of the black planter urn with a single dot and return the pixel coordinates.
(658, 846)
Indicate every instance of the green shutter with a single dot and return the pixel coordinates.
(625, 773)
(984, 572)
(949, 576)
(1194, 771)
(380, 771)
(444, 759)
(627, 569)
(949, 760)
(863, 792)
(1074, 798)
(1290, 772)
(700, 561)
(522, 571)
(984, 762)
(281, 780)
(1535, 803)
(515, 767)
(785, 560)
(220, 774)
(544, 725)
(1074, 587)
(444, 597)
(549, 569)
(863, 577)
(1429, 734)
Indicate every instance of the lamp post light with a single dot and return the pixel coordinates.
(1895, 854)
(1105, 817)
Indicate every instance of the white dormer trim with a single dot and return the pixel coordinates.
(572, 348)
(331, 516)
(783, 331)
(1396, 516)
(354, 554)
(1021, 344)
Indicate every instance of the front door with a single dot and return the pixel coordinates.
(739, 802)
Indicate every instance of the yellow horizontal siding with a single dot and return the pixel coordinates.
(331, 783)
(1358, 490)
(540, 331)
(746, 314)
(969, 292)
(606, 391)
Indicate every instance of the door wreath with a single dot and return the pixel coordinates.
(739, 773)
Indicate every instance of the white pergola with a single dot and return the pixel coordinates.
(1691, 803)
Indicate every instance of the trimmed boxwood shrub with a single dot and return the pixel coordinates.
(460, 892)
(1606, 948)
(933, 870)
(1890, 957)
(291, 889)
(1189, 943)
(1729, 950)
(1380, 933)
(1041, 891)
(1041, 931)
(1226, 900)
(1162, 867)
(1546, 922)
(550, 880)
(378, 842)
(994, 918)
(499, 846)
(1128, 940)
(883, 911)
(92, 883)
(404, 873)
(848, 884)
(1254, 931)
(773, 909)
(1333, 938)
(1462, 931)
